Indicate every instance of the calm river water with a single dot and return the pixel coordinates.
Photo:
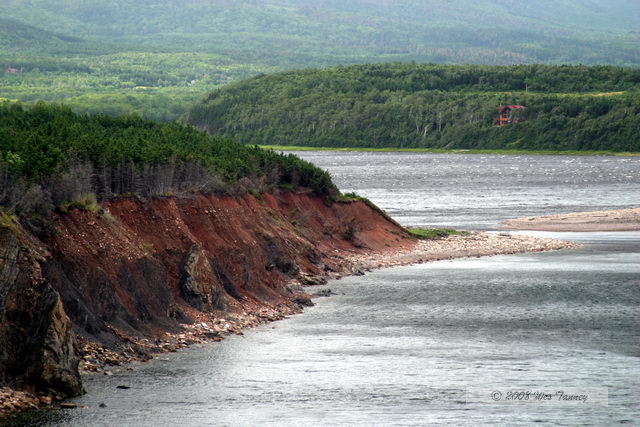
(430, 344)
(478, 191)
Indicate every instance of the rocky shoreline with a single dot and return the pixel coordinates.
(213, 327)
(476, 244)
(99, 360)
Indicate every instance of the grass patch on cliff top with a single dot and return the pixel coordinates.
(415, 232)
(435, 233)
(353, 197)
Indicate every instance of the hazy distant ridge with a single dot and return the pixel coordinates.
(305, 32)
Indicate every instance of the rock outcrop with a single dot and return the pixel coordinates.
(36, 339)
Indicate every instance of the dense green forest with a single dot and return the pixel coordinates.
(409, 105)
(158, 57)
(50, 156)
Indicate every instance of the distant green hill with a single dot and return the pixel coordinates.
(293, 33)
(409, 105)
(18, 37)
(158, 57)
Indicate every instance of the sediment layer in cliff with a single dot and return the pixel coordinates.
(144, 267)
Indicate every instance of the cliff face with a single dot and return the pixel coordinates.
(140, 269)
(145, 267)
(36, 340)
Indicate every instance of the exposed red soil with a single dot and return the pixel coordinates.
(141, 269)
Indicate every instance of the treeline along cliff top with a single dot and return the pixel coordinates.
(432, 106)
(52, 157)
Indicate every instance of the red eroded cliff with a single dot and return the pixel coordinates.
(134, 270)
(142, 268)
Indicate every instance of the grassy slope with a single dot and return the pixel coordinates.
(434, 233)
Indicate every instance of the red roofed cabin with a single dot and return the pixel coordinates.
(12, 70)
(504, 114)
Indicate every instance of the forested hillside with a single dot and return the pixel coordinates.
(158, 57)
(50, 156)
(305, 32)
(409, 105)
(101, 77)
(15, 35)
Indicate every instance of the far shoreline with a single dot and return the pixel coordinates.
(452, 151)
(610, 220)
